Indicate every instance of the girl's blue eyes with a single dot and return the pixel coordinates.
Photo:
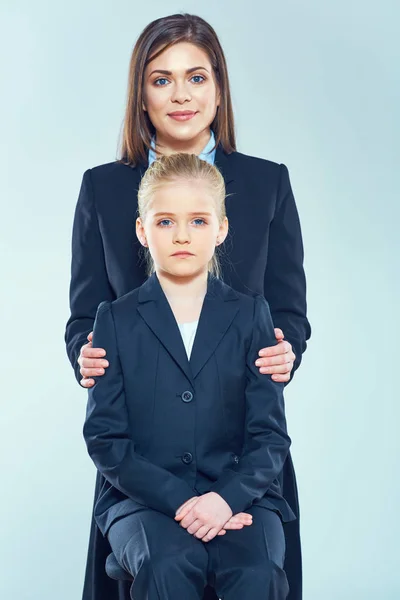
(167, 222)
(161, 81)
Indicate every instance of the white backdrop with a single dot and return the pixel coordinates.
(315, 86)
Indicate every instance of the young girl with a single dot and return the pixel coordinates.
(185, 430)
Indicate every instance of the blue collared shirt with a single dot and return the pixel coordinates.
(207, 154)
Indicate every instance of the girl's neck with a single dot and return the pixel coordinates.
(167, 146)
(185, 295)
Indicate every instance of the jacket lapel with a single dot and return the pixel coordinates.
(218, 311)
(155, 310)
(224, 163)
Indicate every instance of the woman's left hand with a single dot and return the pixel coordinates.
(278, 360)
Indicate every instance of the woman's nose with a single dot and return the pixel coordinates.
(181, 93)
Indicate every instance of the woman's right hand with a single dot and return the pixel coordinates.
(91, 362)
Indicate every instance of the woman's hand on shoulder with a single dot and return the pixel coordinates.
(92, 362)
(278, 360)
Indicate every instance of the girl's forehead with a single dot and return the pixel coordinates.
(184, 196)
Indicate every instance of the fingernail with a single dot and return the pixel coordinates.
(104, 363)
(100, 371)
(258, 363)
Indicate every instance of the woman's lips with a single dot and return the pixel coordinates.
(182, 254)
(182, 115)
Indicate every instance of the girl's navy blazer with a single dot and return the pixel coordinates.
(162, 429)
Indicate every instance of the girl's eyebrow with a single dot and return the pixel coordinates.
(188, 71)
(191, 214)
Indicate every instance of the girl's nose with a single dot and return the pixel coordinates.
(182, 235)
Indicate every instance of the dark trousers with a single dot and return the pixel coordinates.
(167, 562)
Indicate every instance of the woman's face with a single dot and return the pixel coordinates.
(181, 228)
(181, 96)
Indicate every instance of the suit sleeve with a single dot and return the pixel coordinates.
(285, 282)
(108, 439)
(89, 280)
(266, 442)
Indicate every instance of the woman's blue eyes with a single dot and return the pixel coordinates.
(161, 81)
(167, 222)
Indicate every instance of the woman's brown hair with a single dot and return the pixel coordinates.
(154, 39)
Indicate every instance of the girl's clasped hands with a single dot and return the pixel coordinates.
(209, 515)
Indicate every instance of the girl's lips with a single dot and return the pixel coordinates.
(183, 115)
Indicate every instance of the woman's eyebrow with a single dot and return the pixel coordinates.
(188, 71)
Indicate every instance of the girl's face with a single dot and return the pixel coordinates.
(181, 95)
(181, 228)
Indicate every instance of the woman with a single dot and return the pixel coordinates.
(179, 100)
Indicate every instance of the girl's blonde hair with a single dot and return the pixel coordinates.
(182, 166)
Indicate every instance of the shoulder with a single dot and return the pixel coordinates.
(120, 306)
(124, 304)
(112, 174)
(249, 301)
(254, 164)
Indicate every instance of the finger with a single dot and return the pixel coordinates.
(87, 383)
(278, 369)
(188, 520)
(91, 372)
(93, 363)
(211, 534)
(195, 526)
(279, 348)
(241, 518)
(281, 378)
(202, 531)
(90, 336)
(222, 532)
(185, 508)
(277, 359)
(278, 333)
(231, 526)
(89, 352)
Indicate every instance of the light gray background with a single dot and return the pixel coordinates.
(314, 86)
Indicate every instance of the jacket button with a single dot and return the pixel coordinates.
(187, 458)
(187, 396)
(235, 459)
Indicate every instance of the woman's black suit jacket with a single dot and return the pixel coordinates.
(263, 254)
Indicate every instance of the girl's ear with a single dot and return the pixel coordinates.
(222, 232)
(141, 236)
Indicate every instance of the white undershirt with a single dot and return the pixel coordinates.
(188, 332)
